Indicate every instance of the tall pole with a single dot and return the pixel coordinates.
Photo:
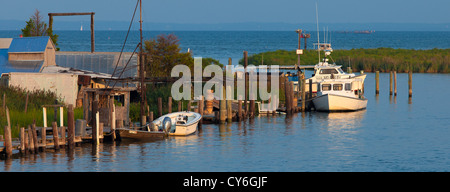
(141, 66)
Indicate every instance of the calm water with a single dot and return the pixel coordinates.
(393, 134)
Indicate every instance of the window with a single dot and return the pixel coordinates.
(337, 87)
(328, 71)
(326, 87)
(348, 86)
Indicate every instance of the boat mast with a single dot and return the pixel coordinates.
(318, 42)
(141, 66)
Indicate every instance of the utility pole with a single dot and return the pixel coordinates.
(141, 67)
(299, 51)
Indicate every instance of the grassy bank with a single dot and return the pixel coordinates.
(15, 101)
(369, 60)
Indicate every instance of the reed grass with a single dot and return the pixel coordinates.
(369, 60)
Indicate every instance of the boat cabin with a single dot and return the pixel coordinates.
(348, 88)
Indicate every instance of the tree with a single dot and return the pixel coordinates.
(163, 53)
(36, 27)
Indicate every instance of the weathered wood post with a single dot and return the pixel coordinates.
(179, 105)
(55, 135)
(246, 86)
(30, 139)
(410, 83)
(22, 140)
(169, 104)
(201, 107)
(92, 33)
(113, 119)
(70, 127)
(27, 148)
(160, 107)
(395, 83)
(310, 89)
(239, 110)
(390, 82)
(44, 138)
(293, 100)
(303, 92)
(287, 100)
(8, 142)
(35, 140)
(377, 82)
(94, 119)
(222, 107)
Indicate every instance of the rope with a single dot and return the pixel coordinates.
(126, 37)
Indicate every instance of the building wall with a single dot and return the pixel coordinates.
(64, 85)
(26, 56)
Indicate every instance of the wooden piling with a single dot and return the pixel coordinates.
(201, 108)
(395, 83)
(377, 82)
(293, 100)
(44, 138)
(30, 139)
(223, 107)
(70, 127)
(8, 142)
(94, 124)
(22, 140)
(246, 86)
(35, 140)
(303, 93)
(169, 104)
(410, 83)
(26, 141)
(55, 135)
(310, 89)
(287, 100)
(160, 107)
(239, 110)
(179, 105)
(390, 82)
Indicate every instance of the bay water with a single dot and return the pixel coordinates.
(393, 134)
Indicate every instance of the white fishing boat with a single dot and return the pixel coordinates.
(178, 123)
(336, 90)
(340, 95)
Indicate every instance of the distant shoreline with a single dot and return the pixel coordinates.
(369, 60)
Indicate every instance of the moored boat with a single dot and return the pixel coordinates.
(178, 123)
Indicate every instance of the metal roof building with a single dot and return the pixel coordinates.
(27, 54)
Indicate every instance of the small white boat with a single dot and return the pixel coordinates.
(178, 123)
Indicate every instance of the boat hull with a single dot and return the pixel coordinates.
(185, 130)
(331, 102)
(138, 134)
(182, 129)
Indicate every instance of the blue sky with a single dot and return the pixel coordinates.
(334, 12)
(231, 11)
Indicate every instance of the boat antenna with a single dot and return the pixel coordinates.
(318, 33)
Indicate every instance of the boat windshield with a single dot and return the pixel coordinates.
(328, 71)
(340, 70)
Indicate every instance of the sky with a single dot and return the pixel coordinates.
(238, 11)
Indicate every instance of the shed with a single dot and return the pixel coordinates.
(32, 49)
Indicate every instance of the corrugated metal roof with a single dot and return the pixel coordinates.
(28, 44)
(17, 66)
